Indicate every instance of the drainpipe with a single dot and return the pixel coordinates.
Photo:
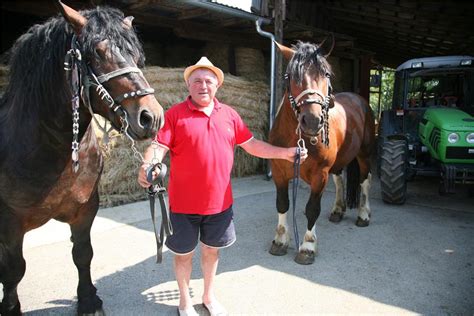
(272, 84)
(272, 72)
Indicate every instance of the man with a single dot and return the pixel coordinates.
(201, 134)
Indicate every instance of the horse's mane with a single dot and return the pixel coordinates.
(38, 92)
(307, 58)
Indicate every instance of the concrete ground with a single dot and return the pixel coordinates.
(413, 259)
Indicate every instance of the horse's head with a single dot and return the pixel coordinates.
(308, 85)
(111, 56)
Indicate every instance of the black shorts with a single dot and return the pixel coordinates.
(216, 231)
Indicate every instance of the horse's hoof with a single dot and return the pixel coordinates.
(90, 307)
(336, 217)
(305, 257)
(362, 222)
(99, 312)
(15, 311)
(278, 249)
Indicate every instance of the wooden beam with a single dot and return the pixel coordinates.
(204, 33)
(192, 13)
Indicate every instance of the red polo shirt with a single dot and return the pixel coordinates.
(202, 154)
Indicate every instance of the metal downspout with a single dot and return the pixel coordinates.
(272, 72)
(272, 84)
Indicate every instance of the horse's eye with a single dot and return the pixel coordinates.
(100, 53)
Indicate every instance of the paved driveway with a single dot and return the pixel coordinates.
(412, 259)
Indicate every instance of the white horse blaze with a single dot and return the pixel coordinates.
(282, 236)
(364, 208)
(310, 241)
(339, 206)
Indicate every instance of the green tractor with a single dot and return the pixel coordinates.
(430, 129)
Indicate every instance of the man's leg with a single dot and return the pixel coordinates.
(209, 261)
(183, 266)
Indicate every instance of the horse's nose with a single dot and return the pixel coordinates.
(145, 119)
(310, 122)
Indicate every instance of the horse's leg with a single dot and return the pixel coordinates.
(88, 301)
(308, 248)
(363, 217)
(339, 207)
(12, 263)
(282, 237)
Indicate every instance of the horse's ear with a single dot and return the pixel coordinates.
(286, 51)
(326, 46)
(74, 18)
(127, 21)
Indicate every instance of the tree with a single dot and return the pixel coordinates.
(381, 87)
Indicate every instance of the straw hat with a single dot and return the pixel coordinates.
(204, 63)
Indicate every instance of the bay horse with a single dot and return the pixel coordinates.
(61, 72)
(339, 131)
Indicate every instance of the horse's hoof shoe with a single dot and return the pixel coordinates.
(362, 222)
(90, 306)
(278, 249)
(14, 311)
(99, 312)
(336, 217)
(305, 257)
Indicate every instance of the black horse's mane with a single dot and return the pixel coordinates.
(38, 91)
(307, 58)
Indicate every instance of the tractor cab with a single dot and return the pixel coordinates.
(430, 128)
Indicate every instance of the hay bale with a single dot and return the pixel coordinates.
(218, 54)
(250, 63)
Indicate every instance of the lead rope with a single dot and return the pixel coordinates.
(155, 188)
(296, 172)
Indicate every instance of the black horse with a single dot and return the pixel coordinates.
(60, 73)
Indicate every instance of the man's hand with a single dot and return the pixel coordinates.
(155, 153)
(142, 175)
(292, 154)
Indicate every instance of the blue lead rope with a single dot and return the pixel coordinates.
(296, 173)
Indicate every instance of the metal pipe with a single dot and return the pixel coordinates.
(272, 70)
(272, 83)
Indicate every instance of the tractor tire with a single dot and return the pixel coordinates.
(393, 171)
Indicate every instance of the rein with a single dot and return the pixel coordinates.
(155, 188)
(81, 78)
(296, 180)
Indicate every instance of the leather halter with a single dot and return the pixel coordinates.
(81, 78)
(323, 101)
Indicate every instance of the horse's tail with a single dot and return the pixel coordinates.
(353, 184)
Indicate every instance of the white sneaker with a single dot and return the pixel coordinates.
(188, 312)
(216, 309)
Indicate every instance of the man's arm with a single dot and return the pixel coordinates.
(153, 154)
(265, 150)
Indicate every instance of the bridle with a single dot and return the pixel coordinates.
(323, 101)
(81, 78)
